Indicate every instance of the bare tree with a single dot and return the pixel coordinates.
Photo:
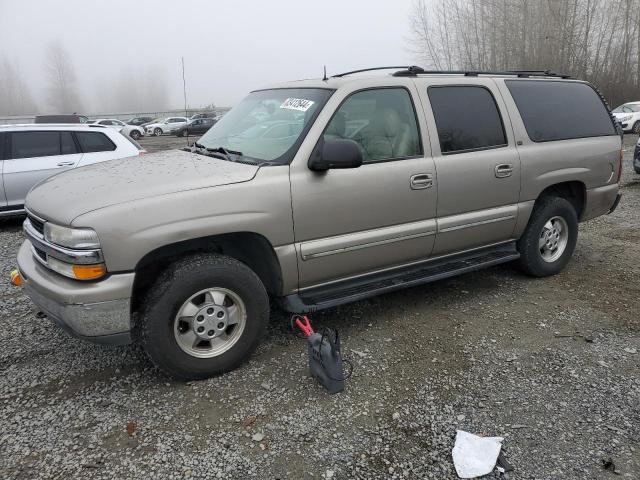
(63, 89)
(15, 96)
(598, 40)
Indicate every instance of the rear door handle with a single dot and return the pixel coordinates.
(503, 170)
(421, 180)
(66, 164)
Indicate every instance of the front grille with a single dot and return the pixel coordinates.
(40, 253)
(37, 225)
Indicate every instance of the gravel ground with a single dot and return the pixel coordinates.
(550, 364)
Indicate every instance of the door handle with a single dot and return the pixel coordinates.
(503, 170)
(66, 164)
(421, 180)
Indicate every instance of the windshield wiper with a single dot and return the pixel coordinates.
(225, 151)
(219, 152)
(226, 154)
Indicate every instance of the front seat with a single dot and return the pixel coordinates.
(387, 137)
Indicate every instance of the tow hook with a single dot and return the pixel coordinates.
(16, 278)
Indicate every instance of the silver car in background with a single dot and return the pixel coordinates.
(31, 153)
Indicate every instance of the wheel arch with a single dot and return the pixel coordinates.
(574, 191)
(250, 248)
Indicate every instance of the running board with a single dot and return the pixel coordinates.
(371, 285)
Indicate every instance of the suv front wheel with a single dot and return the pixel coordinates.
(204, 316)
(550, 238)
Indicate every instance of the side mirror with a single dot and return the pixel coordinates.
(335, 153)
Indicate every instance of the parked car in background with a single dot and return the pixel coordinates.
(165, 126)
(354, 186)
(628, 115)
(31, 153)
(194, 127)
(73, 118)
(132, 131)
(139, 121)
(203, 115)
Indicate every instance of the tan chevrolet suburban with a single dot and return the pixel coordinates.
(316, 193)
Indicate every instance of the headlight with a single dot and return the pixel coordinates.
(625, 118)
(80, 238)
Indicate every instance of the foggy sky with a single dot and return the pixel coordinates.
(229, 46)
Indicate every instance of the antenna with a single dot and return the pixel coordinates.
(184, 90)
(324, 78)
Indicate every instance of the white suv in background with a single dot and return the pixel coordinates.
(165, 126)
(31, 153)
(628, 114)
(133, 131)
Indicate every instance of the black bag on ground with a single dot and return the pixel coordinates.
(325, 360)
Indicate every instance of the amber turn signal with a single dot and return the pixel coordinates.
(89, 272)
(16, 278)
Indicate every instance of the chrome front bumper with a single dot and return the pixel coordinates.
(95, 311)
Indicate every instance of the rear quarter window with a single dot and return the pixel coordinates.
(95, 142)
(555, 110)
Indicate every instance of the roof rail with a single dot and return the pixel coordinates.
(414, 70)
(408, 67)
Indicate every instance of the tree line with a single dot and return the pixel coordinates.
(145, 89)
(595, 40)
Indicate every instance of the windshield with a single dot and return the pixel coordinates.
(268, 125)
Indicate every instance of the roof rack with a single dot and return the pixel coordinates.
(414, 70)
(370, 70)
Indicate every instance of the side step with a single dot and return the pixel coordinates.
(369, 286)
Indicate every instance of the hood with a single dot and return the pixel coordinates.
(63, 197)
(150, 125)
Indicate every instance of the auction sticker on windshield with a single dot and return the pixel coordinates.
(297, 104)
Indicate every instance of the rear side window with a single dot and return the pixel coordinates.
(467, 118)
(555, 110)
(95, 142)
(34, 144)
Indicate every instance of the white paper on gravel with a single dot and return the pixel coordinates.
(475, 456)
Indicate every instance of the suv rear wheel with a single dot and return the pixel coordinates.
(203, 316)
(550, 237)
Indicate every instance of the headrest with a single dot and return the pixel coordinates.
(387, 123)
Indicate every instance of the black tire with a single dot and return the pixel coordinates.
(134, 134)
(154, 327)
(531, 260)
(157, 132)
(636, 165)
(636, 128)
(180, 134)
